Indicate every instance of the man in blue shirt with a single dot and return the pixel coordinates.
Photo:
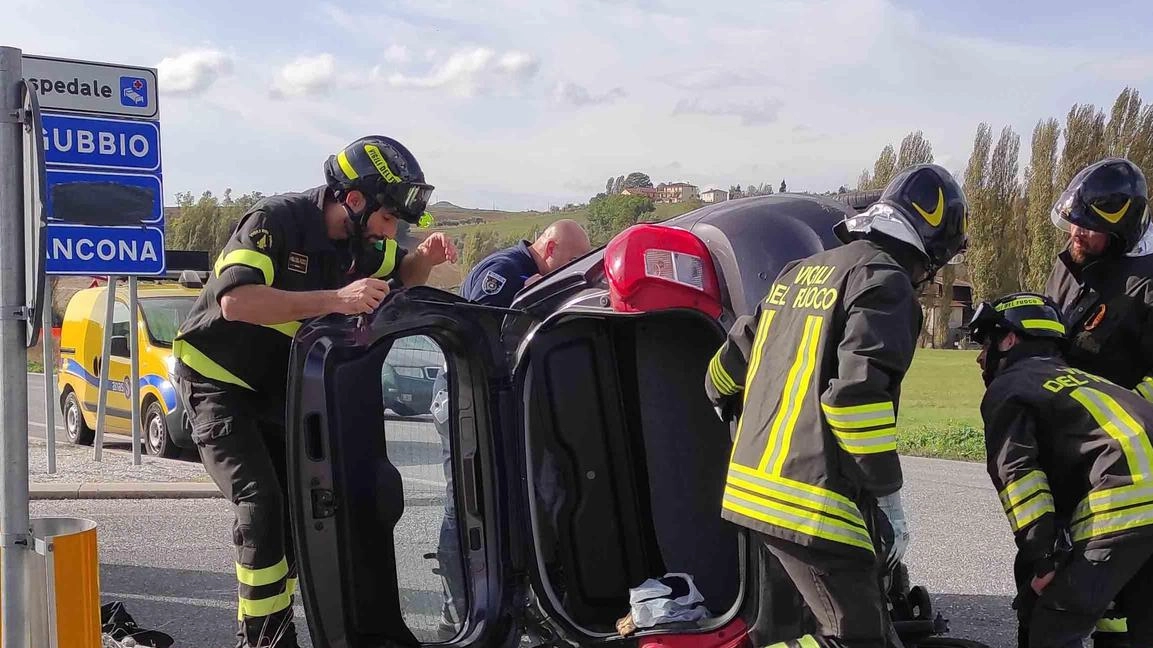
(501, 275)
(494, 281)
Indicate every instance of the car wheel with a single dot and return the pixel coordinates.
(74, 426)
(156, 437)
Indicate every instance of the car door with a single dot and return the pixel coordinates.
(119, 406)
(399, 523)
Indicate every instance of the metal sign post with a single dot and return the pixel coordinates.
(134, 373)
(105, 360)
(14, 523)
(49, 350)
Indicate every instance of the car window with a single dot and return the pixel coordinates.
(120, 325)
(163, 316)
(429, 561)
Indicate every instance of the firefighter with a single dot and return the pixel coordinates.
(1105, 288)
(291, 257)
(814, 470)
(1070, 456)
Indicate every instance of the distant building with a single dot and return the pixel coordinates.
(648, 192)
(677, 192)
(714, 195)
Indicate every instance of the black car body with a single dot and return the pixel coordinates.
(596, 371)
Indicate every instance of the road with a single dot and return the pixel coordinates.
(171, 561)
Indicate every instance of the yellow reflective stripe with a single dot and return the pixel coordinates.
(388, 264)
(1020, 301)
(754, 365)
(346, 166)
(290, 586)
(792, 397)
(287, 328)
(1112, 522)
(204, 365)
(1119, 425)
(250, 258)
(808, 641)
(1030, 511)
(1112, 625)
(771, 487)
(860, 416)
(721, 378)
(872, 442)
(1113, 498)
(1145, 388)
(1043, 325)
(265, 606)
(809, 523)
(263, 576)
(792, 483)
(1021, 489)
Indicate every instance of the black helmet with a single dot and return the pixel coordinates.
(1108, 196)
(1029, 314)
(386, 173)
(922, 206)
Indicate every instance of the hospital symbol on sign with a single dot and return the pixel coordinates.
(133, 91)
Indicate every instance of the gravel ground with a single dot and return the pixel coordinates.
(75, 464)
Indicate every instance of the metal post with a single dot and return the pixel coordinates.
(134, 373)
(105, 359)
(14, 525)
(50, 400)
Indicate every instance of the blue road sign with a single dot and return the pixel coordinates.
(83, 250)
(99, 143)
(91, 197)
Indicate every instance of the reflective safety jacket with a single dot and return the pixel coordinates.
(820, 365)
(281, 242)
(1108, 305)
(1067, 449)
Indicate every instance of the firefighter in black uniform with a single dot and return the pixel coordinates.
(1104, 287)
(814, 469)
(1070, 456)
(290, 258)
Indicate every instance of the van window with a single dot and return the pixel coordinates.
(163, 316)
(418, 430)
(120, 326)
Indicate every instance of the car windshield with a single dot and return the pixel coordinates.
(164, 315)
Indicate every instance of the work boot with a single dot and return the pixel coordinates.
(274, 631)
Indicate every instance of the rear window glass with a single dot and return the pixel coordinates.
(164, 315)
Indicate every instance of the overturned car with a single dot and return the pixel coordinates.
(579, 458)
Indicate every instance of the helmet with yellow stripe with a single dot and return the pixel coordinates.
(1028, 314)
(1109, 196)
(386, 173)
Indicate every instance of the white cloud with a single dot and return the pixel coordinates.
(579, 96)
(396, 54)
(755, 113)
(474, 71)
(192, 72)
(306, 76)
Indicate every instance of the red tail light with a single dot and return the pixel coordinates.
(654, 267)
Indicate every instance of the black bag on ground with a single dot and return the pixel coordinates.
(118, 624)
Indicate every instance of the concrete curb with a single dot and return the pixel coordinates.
(123, 490)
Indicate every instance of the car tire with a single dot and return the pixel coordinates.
(74, 426)
(156, 438)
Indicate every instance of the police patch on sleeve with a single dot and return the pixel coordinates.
(492, 283)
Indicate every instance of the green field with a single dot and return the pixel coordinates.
(521, 223)
(940, 412)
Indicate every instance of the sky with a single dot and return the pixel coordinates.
(519, 104)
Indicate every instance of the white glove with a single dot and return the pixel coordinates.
(890, 505)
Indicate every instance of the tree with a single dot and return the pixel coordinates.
(1043, 240)
(991, 184)
(915, 149)
(768, 189)
(981, 239)
(1124, 122)
(637, 179)
(735, 192)
(1084, 141)
(609, 185)
(843, 189)
(884, 168)
(783, 188)
(611, 215)
(865, 180)
(618, 186)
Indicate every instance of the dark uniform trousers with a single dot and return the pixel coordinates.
(242, 447)
(1116, 569)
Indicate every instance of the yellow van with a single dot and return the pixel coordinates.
(162, 309)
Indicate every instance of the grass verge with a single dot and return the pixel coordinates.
(940, 412)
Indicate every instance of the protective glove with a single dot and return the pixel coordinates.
(890, 505)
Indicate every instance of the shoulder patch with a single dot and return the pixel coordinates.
(261, 239)
(492, 283)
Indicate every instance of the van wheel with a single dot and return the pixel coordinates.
(74, 426)
(156, 437)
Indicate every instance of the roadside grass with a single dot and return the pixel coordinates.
(940, 413)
